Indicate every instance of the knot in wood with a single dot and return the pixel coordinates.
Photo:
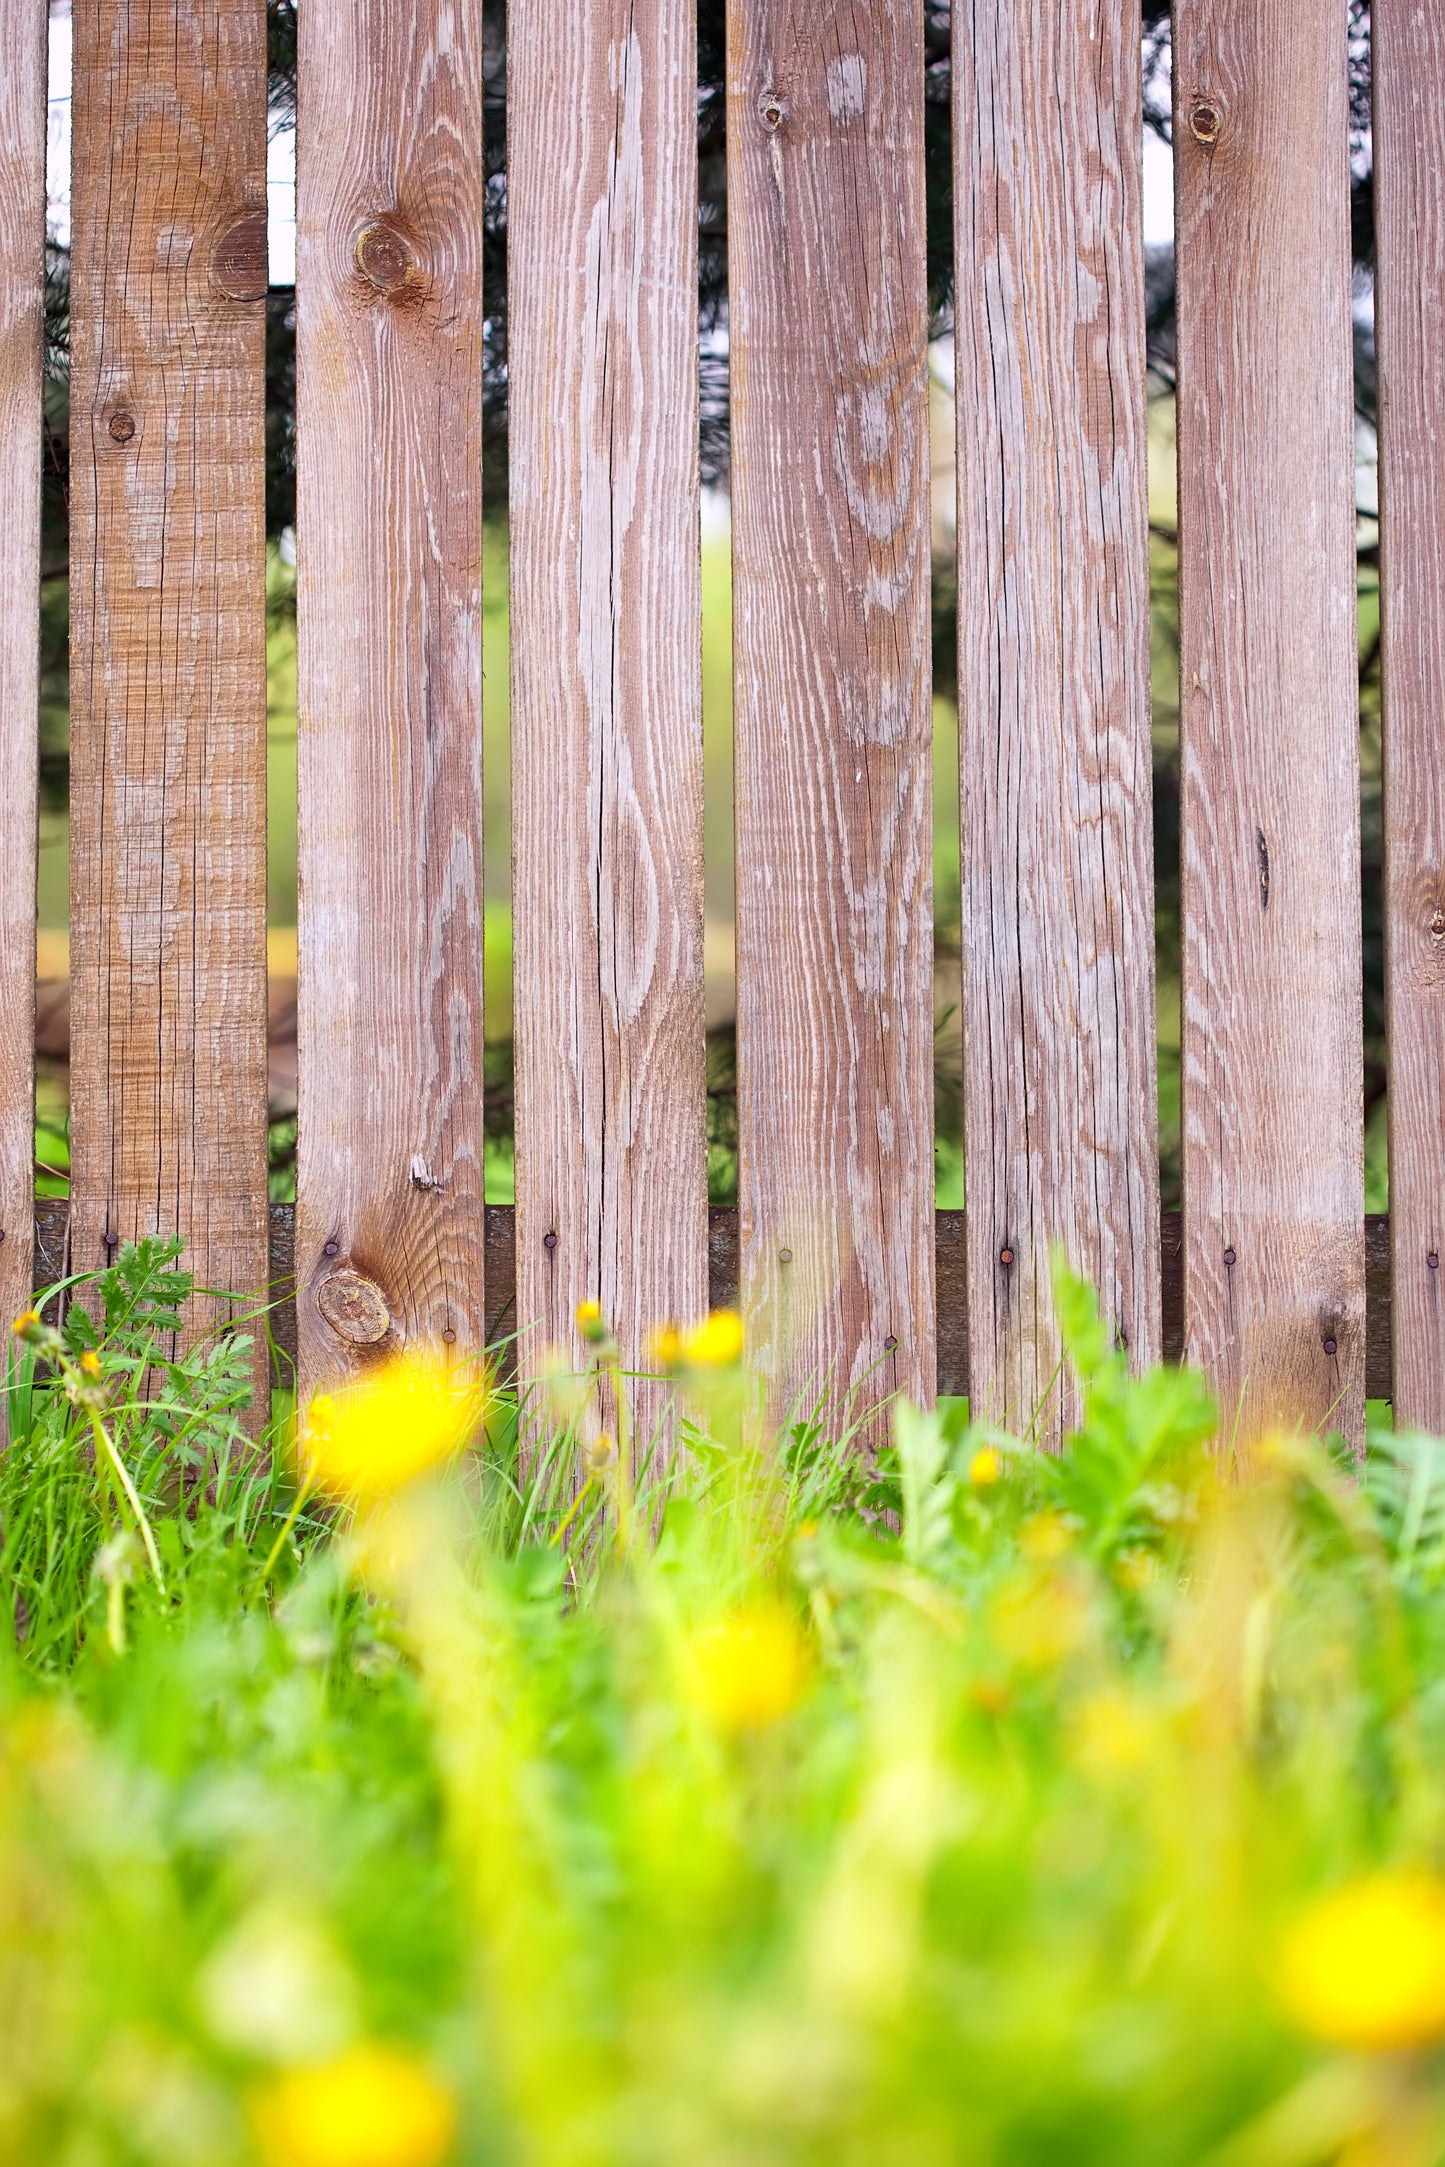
(121, 427)
(1206, 122)
(354, 1307)
(385, 257)
(239, 265)
(771, 111)
(1437, 927)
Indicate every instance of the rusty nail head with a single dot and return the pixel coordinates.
(1005, 1257)
(549, 1241)
(890, 1344)
(449, 1335)
(1205, 121)
(1433, 1260)
(785, 1256)
(121, 427)
(1229, 1258)
(332, 1249)
(1329, 1346)
(112, 1241)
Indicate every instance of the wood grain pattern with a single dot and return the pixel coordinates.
(833, 724)
(50, 1236)
(22, 287)
(390, 184)
(1273, 1149)
(168, 696)
(606, 668)
(1060, 1083)
(1409, 106)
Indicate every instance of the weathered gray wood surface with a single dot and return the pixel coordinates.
(1273, 1150)
(390, 191)
(1409, 110)
(606, 670)
(1060, 1085)
(833, 727)
(167, 630)
(22, 287)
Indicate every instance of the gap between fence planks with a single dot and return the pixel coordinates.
(390, 199)
(1272, 1060)
(22, 310)
(1060, 1120)
(167, 677)
(606, 644)
(828, 332)
(1409, 103)
(953, 1349)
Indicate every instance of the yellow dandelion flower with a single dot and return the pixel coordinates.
(748, 1669)
(405, 1418)
(716, 1343)
(665, 1347)
(1045, 1536)
(90, 1362)
(1112, 1734)
(27, 1320)
(985, 1468)
(372, 2107)
(591, 1323)
(1364, 1967)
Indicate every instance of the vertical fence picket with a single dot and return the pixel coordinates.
(1273, 1156)
(606, 667)
(22, 288)
(1409, 100)
(1061, 1121)
(829, 327)
(390, 194)
(167, 680)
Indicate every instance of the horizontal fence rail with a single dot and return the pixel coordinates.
(1274, 1280)
(724, 1278)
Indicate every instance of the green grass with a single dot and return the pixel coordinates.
(957, 1806)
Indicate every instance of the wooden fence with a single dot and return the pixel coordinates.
(834, 1245)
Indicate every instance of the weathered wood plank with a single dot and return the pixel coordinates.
(50, 1228)
(1060, 1084)
(167, 680)
(390, 185)
(1409, 105)
(22, 289)
(606, 669)
(1273, 1149)
(833, 724)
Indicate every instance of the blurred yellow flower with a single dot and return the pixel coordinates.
(26, 1321)
(1039, 1622)
(749, 1668)
(591, 1323)
(405, 1418)
(985, 1468)
(1364, 1967)
(665, 1346)
(372, 2107)
(1045, 1536)
(1112, 1734)
(90, 1362)
(716, 1342)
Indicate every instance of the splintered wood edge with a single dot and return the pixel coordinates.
(52, 1220)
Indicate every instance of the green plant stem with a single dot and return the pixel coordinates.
(143, 1526)
(287, 1527)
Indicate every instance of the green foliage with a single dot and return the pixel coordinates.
(951, 1809)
